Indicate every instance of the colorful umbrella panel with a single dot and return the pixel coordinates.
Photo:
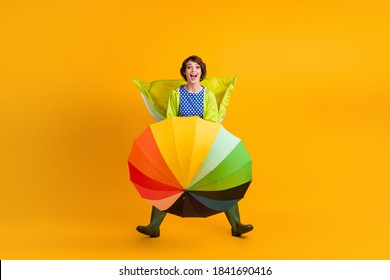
(190, 167)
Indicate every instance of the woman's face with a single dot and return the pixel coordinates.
(193, 72)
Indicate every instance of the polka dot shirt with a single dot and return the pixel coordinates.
(191, 104)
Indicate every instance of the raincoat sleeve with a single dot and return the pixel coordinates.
(210, 107)
(173, 104)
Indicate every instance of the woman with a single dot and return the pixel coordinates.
(193, 99)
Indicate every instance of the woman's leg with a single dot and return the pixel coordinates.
(233, 216)
(153, 229)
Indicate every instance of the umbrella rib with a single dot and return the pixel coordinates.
(177, 158)
(191, 157)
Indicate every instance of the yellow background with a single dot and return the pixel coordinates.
(311, 103)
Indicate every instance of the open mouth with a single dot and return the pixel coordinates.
(193, 76)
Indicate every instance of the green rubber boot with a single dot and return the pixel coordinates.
(233, 217)
(153, 229)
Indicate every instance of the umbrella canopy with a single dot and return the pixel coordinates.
(190, 167)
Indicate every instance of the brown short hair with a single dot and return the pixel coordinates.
(196, 59)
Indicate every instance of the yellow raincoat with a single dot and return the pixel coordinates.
(156, 95)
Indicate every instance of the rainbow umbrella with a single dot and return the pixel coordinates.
(190, 167)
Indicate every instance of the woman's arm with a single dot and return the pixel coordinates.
(173, 104)
(210, 107)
